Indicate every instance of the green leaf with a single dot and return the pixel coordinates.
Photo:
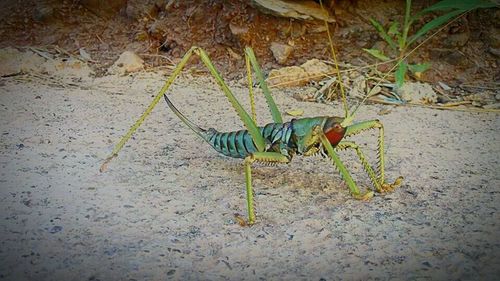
(420, 67)
(377, 53)
(400, 74)
(459, 5)
(393, 29)
(433, 24)
(383, 34)
(463, 5)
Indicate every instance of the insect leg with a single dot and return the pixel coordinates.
(376, 124)
(373, 177)
(270, 157)
(150, 108)
(247, 120)
(343, 171)
(251, 59)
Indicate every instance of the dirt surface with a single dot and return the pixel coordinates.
(165, 207)
(465, 52)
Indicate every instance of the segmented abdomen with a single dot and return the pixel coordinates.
(239, 144)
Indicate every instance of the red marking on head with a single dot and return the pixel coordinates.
(335, 134)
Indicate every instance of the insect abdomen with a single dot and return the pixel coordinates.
(239, 144)
(236, 144)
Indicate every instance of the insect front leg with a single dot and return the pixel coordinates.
(270, 157)
(342, 169)
(380, 184)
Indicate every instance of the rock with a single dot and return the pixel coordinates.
(238, 30)
(417, 92)
(13, 62)
(281, 52)
(294, 76)
(305, 10)
(497, 97)
(10, 62)
(317, 69)
(127, 62)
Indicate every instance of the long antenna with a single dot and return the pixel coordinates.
(332, 49)
(403, 58)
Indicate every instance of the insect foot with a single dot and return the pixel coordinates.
(387, 187)
(364, 197)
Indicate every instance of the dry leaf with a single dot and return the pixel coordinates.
(295, 112)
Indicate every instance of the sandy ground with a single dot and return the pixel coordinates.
(165, 207)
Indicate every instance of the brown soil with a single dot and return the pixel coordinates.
(223, 28)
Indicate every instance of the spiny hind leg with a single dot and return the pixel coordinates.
(269, 157)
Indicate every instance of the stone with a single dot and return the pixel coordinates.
(292, 76)
(127, 62)
(304, 10)
(281, 52)
(316, 69)
(9, 62)
(13, 61)
(295, 76)
(237, 29)
(417, 92)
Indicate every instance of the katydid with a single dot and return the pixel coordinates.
(278, 141)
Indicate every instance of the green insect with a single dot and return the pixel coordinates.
(279, 141)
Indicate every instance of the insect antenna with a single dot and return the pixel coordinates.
(332, 49)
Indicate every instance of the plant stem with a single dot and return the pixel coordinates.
(406, 27)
